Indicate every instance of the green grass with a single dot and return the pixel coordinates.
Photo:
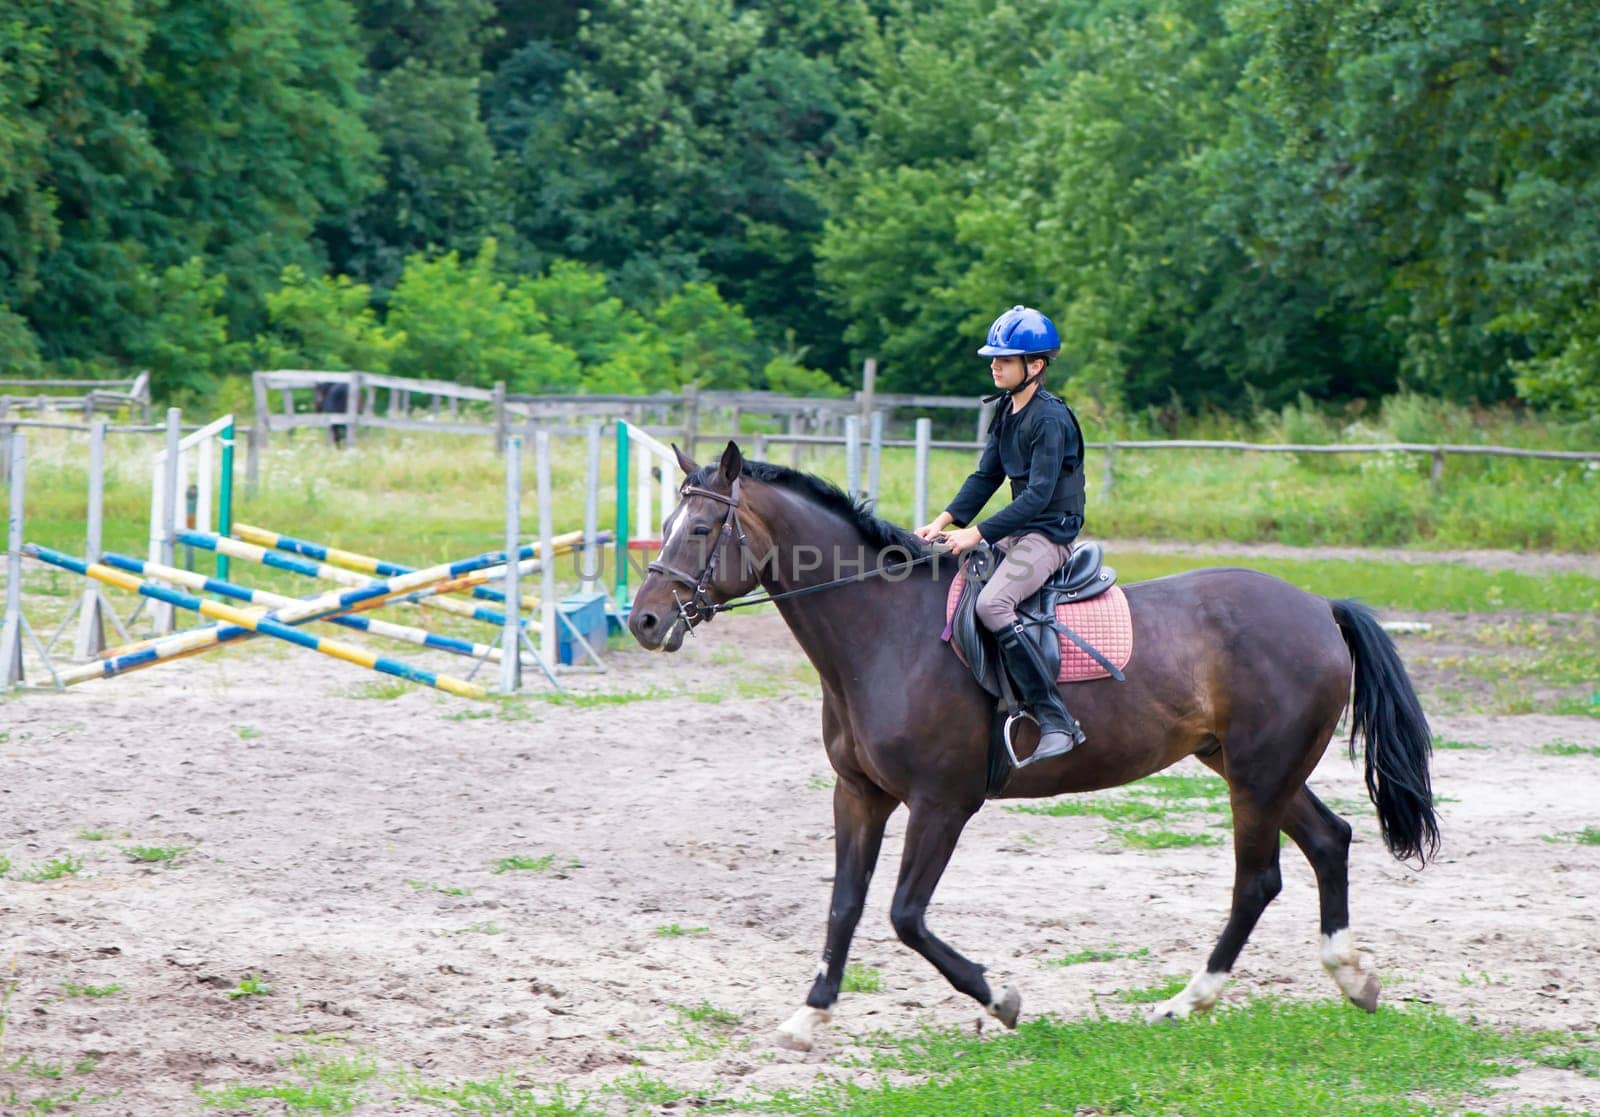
(674, 931)
(73, 989)
(155, 854)
(1266, 1057)
(247, 732)
(648, 1095)
(1449, 745)
(1154, 993)
(425, 886)
(1568, 748)
(861, 979)
(5, 864)
(1154, 799)
(55, 868)
(1588, 836)
(251, 986)
(324, 1086)
(1162, 839)
(708, 1014)
(1417, 587)
(94, 835)
(1111, 955)
(501, 1097)
(518, 863)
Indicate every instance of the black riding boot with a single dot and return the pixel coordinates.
(1059, 731)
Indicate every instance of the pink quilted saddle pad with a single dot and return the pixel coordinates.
(1104, 621)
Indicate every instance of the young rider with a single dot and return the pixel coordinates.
(1035, 441)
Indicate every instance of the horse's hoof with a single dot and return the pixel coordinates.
(1367, 998)
(1007, 1008)
(795, 1033)
(791, 1042)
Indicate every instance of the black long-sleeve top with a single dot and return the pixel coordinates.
(1040, 449)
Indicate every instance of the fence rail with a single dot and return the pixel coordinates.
(109, 396)
(692, 417)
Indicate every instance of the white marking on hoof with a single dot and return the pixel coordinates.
(1006, 1008)
(795, 1033)
(1349, 970)
(1198, 996)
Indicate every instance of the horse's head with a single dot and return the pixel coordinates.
(702, 560)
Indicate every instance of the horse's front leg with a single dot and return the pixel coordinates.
(860, 812)
(931, 834)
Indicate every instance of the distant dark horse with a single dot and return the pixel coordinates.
(1241, 670)
(332, 397)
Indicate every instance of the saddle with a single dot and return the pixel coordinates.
(1045, 617)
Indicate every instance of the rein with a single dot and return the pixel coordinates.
(699, 608)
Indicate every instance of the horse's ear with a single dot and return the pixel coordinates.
(732, 462)
(685, 462)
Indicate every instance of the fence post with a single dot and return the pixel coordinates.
(1436, 474)
(919, 510)
(1106, 477)
(511, 634)
(352, 407)
(691, 417)
(6, 430)
(874, 455)
(869, 386)
(852, 455)
(500, 425)
(260, 430)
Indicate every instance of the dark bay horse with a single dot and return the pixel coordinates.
(1241, 670)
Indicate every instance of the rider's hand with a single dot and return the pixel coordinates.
(963, 539)
(930, 531)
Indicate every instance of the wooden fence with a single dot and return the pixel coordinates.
(693, 417)
(87, 396)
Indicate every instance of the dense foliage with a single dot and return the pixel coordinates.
(1221, 202)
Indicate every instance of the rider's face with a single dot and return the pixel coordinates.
(1008, 372)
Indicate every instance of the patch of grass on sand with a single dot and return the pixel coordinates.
(1289, 1059)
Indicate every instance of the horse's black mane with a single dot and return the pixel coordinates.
(879, 533)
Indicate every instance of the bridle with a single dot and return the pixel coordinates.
(700, 607)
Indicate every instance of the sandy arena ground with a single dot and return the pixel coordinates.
(328, 830)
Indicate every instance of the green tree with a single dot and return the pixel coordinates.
(325, 323)
(666, 142)
(182, 337)
(1427, 149)
(708, 342)
(442, 186)
(464, 322)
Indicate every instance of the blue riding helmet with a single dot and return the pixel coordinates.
(1021, 332)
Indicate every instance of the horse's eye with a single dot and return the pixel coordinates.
(703, 529)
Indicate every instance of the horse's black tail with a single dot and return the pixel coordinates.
(1387, 714)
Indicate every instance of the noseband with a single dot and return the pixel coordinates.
(700, 607)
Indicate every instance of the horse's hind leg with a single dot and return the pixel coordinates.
(859, 814)
(1256, 881)
(931, 834)
(1324, 838)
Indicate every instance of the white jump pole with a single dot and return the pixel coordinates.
(11, 631)
(547, 569)
(511, 636)
(591, 514)
(163, 614)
